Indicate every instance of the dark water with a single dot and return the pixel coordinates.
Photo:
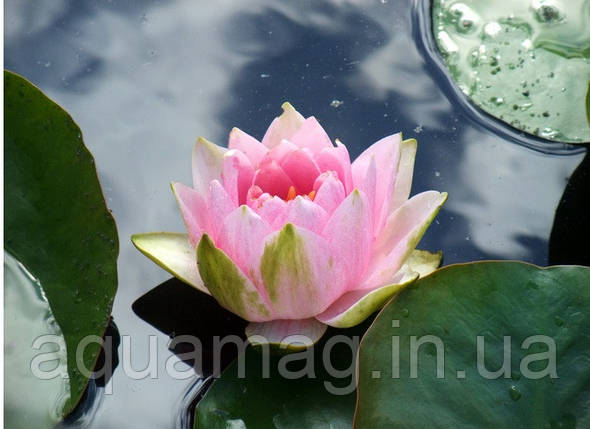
(145, 79)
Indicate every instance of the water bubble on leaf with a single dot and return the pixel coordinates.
(498, 101)
(514, 393)
(465, 19)
(491, 29)
(548, 133)
(546, 11)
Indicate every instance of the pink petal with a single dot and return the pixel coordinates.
(279, 152)
(242, 238)
(193, 208)
(271, 178)
(368, 185)
(311, 136)
(400, 235)
(300, 273)
(405, 171)
(306, 214)
(283, 127)
(237, 175)
(301, 169)
(247, 144)
(336, 159)
(271, 209)
(207, 164)
(254, 193)
(329, 191)
(350, 234)
(386, 153)
(292, 335)
(219, 205)
(228, 284)
(355, 306)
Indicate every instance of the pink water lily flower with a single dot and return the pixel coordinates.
(289, 235)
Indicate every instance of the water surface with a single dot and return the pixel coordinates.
(145, 79)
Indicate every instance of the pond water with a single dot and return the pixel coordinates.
(144, 79)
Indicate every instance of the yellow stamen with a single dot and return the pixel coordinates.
(291, 194)
(311, 195)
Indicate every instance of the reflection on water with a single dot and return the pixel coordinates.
(83, 415)
(144, 79)
(34, 375)
(186, 407)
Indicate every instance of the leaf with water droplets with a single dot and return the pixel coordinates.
(440, 350)
(525, 63)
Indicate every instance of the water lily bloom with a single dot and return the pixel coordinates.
(290, 235)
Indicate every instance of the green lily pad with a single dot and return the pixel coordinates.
(543, 315)
(524, 62)
(317, 399)
(56, 221)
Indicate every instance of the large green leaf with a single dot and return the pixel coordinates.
(525, 62)
(307, 401)
(56, 221)
(493, 300)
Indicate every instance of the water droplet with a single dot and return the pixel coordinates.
(498, 101)
(418, 129)
(492, 28)
(336, 103)
(548, 133)
(264, 75)
(546, 11)
(514, 393)
(405, 312)
(465, 20)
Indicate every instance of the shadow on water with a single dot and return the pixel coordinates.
(179, 310)
(571, 229)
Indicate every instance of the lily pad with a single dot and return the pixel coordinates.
(56, 221)
(321, 398)
(524, 62)
(540, 316)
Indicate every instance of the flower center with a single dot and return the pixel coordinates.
(292, 194)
